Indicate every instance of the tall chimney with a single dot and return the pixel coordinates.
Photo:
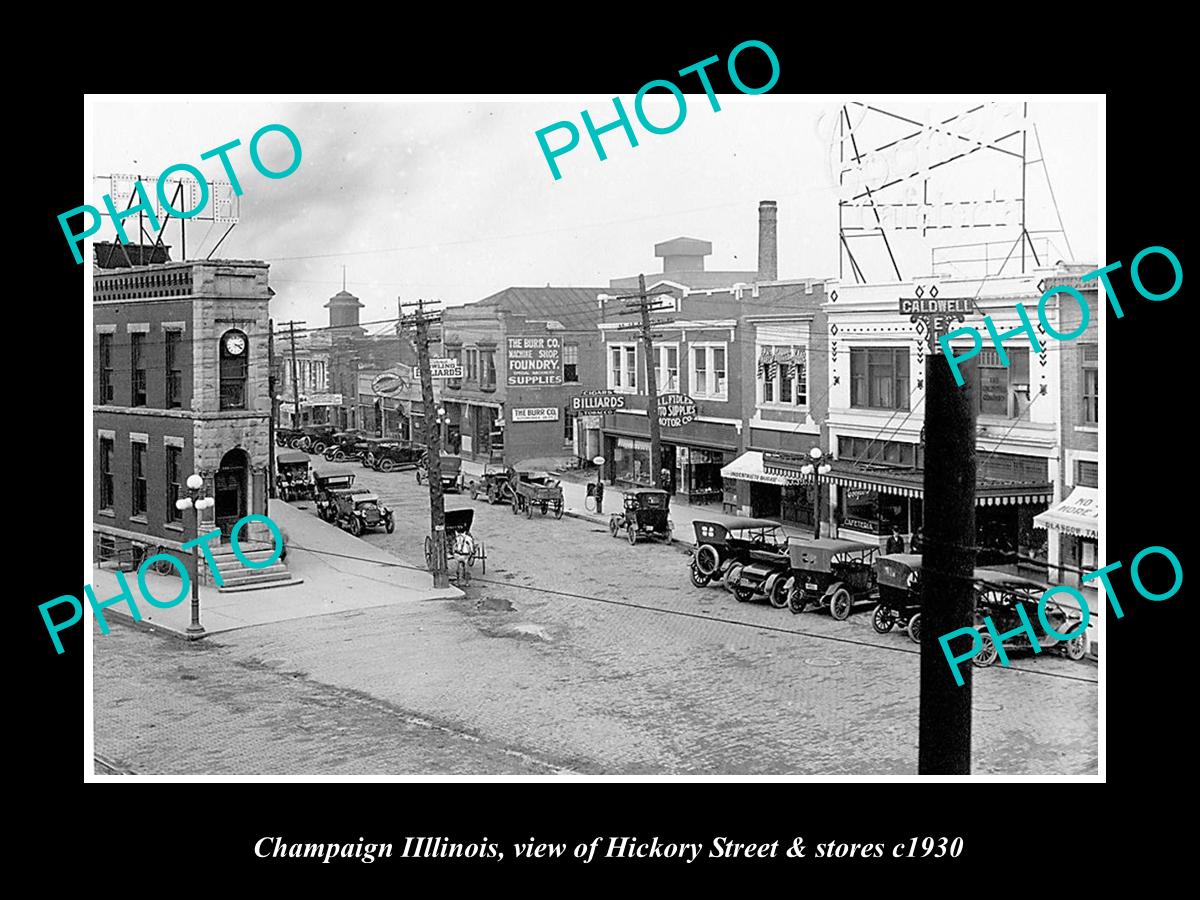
(768, 253)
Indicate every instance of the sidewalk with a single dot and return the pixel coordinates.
(331, 583)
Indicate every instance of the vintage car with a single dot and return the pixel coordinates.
(497, 483)
(452, 478)
(832, 573)
(285, 436)
(356, 510)
(324, 485)
(724, 545)
(645, 515)
(343, 445)
(998, 594)
(394, 455)
(898, 576)
(313, 438)
(537, 490)
(462, 548)
(293, 477)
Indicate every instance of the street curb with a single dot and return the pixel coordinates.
(676, 544)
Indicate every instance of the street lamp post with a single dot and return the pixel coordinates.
(816, 469)
(195, 502)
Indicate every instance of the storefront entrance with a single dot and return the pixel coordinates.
(230, 490)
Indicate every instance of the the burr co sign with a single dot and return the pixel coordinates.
(597, 402)
(534, 361)
(675, 410)
(535, 414)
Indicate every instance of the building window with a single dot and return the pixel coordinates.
(622, 368)
(867, 450)
(568, 427)
(1003, 390)
(708, 375)
(139, 478)
(879, 378)
(173, 484)
(666, 370)
(782, 375)
(1090, 391)
(174, 372)
(487, 365)
(1087, 473)
(106, 473)
(137, 368)
(570, 362)
(471, 364)
(235, 368)
(106, 369)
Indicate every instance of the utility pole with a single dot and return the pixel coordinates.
(644, 305)
(948, 595)
(421, 320)
(271, 491)
(291, 326)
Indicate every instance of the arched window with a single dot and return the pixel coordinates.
(235, 368)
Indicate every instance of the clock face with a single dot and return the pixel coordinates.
(235, 344)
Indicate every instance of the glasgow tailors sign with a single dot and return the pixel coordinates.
(534, 361)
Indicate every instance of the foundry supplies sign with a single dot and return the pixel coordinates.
(675, 410)
(534, 361)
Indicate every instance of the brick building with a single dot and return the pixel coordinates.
(180, 387)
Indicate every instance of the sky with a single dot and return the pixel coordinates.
(453, 200)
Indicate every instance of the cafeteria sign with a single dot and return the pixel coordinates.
(675, 410)
(534, 361)
(445, 368)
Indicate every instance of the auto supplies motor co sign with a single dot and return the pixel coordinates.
(534, 361)
(675, 410)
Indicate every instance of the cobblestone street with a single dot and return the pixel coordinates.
(576, 652)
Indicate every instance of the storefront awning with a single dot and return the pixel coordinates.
(1079, 514)
(749, 467)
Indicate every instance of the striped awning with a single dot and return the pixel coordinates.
(1079, 514)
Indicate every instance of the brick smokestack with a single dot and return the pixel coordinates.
(768, 252)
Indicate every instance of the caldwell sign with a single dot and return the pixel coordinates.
(597, 402)
(675, 410)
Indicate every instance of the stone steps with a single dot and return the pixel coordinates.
(237, 577)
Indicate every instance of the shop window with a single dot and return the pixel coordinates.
(708, 374)
(782, 375)
(171, 341)
(137, 368)
(666, 370)
(104, 357)
(879, 378)
(1090, 389)
(106, 473)
(1003, 390)
(570, 362)
(138, 471)
(1087, 473)
(174, 483)
(487, 365)
(622, 368)
(235, 369)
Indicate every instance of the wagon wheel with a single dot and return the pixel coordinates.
(528, 508)
(731, 575)
(797, 600)
(558, 510)
(914, 628)
(631, 534)
(544, 506)
(481, 555)
(987, 654)
(386, 465)
(164, 567)
(778, 597)
(1075, 648)
(428, 552)
(356, 526)
(883, 619)
(840, 604)
(389, 526)
(613, 526)
(699, 579)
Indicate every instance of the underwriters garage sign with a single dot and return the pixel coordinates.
(675, 410)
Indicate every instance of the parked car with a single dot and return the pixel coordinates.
(645, 515)
(497, 483)
(314, 438)
(832, 573)
(452, 479)
(324, 486)
(724, 545)
(293, 476)
(285, 436)
(396, 455)
(356, 510)
(898, 576)
(342, 445)
(998, 594)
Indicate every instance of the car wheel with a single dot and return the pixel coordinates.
(797, 600)
(731, 575)
(987, 653)
(318, 447)
(840, 604)
(390, 526)
(386, 465)
(883, 619)
(699, 579)
(778, 597)
(339, 455)
(708, 559)
(631, 535)
(743, 594)
(328, 454)
(356, 526)
(1076, 648)
(914, 628)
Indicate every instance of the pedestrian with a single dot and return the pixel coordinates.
(895, 544)
(665, 481)
(918, 541)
